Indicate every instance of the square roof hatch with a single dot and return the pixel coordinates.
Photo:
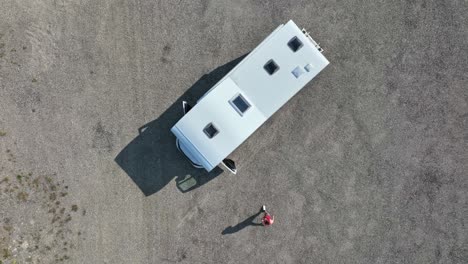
(240, 104)
(298, 71)
(271, 67)
(309, 67)
(295, 44)
(210, 130)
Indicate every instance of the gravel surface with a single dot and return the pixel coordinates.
(367, 164)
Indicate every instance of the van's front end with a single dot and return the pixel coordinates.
(190, 151)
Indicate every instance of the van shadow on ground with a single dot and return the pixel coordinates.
(152, 160)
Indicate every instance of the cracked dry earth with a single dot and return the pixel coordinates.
(36, 215)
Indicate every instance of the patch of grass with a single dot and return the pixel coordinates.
(48, 179)
(35, 182)
(6, 253)
(22, 196)
(8, 228)
(55, 219)
(6, 179)
(74, 208)
(34, 80)
(68, 219)
(2, 133)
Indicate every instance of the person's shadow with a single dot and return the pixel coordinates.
(152, 160)
(247, 222)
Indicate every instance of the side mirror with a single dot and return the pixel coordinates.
(185, 107)
(230, 165)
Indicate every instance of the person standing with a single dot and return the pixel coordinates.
(267, 219)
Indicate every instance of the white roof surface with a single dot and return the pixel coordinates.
(265, 93)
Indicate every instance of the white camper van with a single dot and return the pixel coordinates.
(247, 96)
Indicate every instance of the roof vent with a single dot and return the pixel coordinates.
(298, 71)
(295, 44)
(271, 67)
(210, 130)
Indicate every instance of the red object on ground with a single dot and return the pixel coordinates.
(268, 219)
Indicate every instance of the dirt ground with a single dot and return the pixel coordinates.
(367, 164)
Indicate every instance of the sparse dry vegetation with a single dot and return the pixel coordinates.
(34, 218)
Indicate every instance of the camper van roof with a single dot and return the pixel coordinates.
(248, 95)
